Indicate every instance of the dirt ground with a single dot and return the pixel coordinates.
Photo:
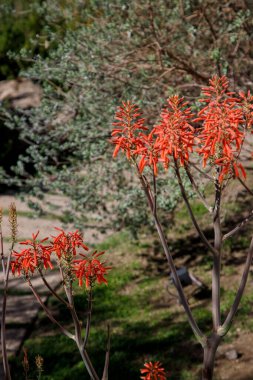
(238, 369)
(29, 223)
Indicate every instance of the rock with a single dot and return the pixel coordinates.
(231, 354)
(21, 93)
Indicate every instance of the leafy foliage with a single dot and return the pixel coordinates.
(112, 51)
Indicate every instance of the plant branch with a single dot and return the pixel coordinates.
(6, 367)
(62, 300)
(226, 325)
(88, 320)
(239, 226)
(216, 257)
(88, 364)
(245, 186)
(155, 194)
(200, 171)
(107, 355)
(77, 325)
(198, 333)
(195, 186)
(48, 312)
(183, 192)
(6, 271)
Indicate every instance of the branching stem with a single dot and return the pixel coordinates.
(226, 325)
(216, 257)
(195, 223)
(198, 333)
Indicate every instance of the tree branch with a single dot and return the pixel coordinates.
(88, 321)
(245, 186)
(226, 325)
(195, 186)
(48, 312)
(239, 226)
(201, 171)
(217, 257)
(183, 192)
(198, 333)
(62, 300)
(6, 271)
(107, 355)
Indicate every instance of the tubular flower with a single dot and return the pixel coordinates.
(148, 150)
(221, 138)
(36, 256)
(175, 136)
(153, 371)
(67, 243)
(247, 107)
(90, 269)
(128, 125)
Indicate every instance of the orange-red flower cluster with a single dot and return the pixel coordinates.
(153, 371)
(90, 269)
(67, 243)
(148, 151)
(38, 255)
(29, 259)
(127, 127)
(219, 135)
(175, 136)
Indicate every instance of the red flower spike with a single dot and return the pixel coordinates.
(30, 259)
(153, 371)
(90, 270)
(221, 137)
(225, 119)
(127, 127)
(246, 101)
(67, 242)
(148, 150)
(175, 135)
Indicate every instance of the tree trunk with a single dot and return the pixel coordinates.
(209, 356)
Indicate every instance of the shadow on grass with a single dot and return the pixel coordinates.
(130, 348)
(138, 335)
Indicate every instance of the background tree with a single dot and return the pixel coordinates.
(108, 52)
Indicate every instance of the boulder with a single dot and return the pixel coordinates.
(20, 93)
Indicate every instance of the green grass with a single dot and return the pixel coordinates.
(198, 209)
(117, 240)
(236, 243)
(183, 223)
